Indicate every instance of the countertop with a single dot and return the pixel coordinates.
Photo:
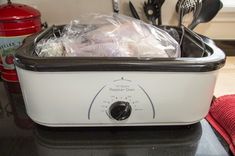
(226, 79)
(197, 139)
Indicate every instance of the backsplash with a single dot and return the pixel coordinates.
(61, 12)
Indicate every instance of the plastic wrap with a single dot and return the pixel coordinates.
(50, 48)
(110, 36)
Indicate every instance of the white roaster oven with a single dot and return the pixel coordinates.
(119, 91)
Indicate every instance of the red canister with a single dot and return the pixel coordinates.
(17, 21)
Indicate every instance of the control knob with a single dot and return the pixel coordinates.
(120, 110)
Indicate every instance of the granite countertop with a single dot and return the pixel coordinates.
(198, 139)
(21, 137)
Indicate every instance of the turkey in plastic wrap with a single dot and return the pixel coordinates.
(110, 36)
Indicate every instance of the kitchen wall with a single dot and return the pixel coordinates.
(61, 11)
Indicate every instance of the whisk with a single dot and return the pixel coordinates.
(184, 7)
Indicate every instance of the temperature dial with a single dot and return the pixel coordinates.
(120, 110)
